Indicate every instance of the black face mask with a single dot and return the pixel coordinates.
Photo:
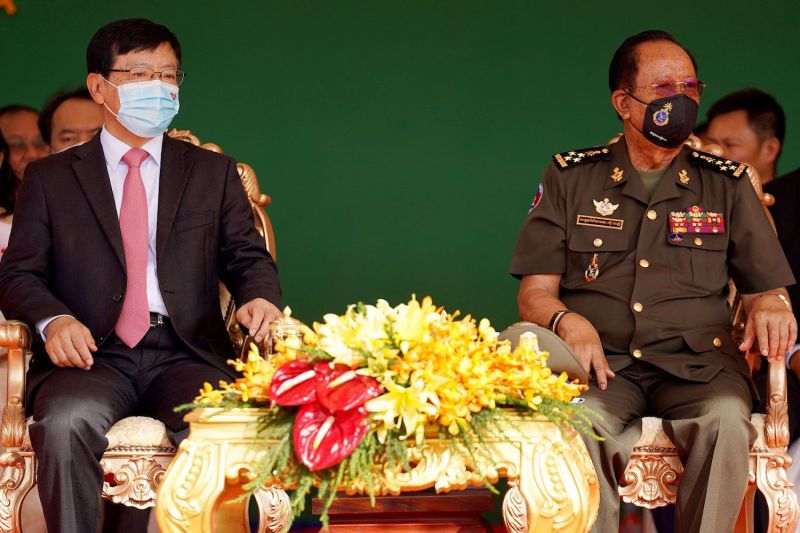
(669, 121)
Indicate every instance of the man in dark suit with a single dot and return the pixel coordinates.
(115, 256)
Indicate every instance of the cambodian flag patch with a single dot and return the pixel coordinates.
(537, 198)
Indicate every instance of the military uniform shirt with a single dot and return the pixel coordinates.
(662, 266)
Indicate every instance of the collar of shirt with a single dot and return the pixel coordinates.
(114, 149)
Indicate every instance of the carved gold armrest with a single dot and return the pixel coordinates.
(16, 338)
(776, 421)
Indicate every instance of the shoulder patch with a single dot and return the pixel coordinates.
(576, 157)
(732, 169)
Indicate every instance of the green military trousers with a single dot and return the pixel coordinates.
(709, 424)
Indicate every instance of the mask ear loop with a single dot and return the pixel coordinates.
(640, 130)
(116, 87)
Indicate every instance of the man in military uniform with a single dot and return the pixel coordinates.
(626, 254)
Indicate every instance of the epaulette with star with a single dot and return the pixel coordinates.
(732, 169)
(578, 157)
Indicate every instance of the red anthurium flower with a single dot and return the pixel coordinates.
(341, 389)
(322, 439)
(293, 384)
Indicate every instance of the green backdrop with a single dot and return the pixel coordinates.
(402, 142)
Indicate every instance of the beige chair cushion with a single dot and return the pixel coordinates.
(653, 435)
(138, 431)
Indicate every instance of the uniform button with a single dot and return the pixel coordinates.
(644, 263)
(637, 353)
(637, 306)
(717, 342)
(652, 215)
(117, 297)
(698, 241)
(598, 242)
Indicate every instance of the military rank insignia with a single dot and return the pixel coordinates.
(694, 220)
(578, 157)
(730, 168)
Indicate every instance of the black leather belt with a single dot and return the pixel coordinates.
(158, 321)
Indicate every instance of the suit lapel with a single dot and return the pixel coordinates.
(92, 174)
(175, 169)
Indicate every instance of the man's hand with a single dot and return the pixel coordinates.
(772, 325)
(69, 343)
(257, 315)
(582, 337)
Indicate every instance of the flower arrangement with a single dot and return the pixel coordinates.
(359, 389)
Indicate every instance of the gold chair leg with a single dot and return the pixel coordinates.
(273, 509)
(774, 484)
(17, 477)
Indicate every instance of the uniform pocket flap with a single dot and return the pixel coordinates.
(598, 241)
(701, 241)
(706, 339)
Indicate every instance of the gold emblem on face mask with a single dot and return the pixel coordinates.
(617, 174)
(661, 117)
(684, 176)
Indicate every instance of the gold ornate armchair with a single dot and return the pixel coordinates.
(653, 473)
(139, 450)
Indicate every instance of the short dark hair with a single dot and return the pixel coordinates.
(764, 114)
(16, 108)
(625, 63)
(8, 182)
(123, 36)
(53, 103)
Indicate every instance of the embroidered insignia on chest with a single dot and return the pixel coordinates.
(616, 175)
(605, 207)
(730, 168)
(694, 220)
(661, 117)
(577, 157)
(683, 176)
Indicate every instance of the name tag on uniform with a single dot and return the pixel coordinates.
(600, 222)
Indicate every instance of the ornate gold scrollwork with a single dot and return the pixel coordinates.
(515, 512)
(774, 484)
(274, 509)
(555, 491)
(135, 481)
(651, 480)
(16, 479)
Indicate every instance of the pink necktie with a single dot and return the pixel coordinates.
(134, 320)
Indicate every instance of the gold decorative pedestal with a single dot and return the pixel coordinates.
(553, 486)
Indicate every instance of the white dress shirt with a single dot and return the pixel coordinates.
(114, 149)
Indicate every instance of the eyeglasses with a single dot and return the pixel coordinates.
(170, 75)
(692, 88)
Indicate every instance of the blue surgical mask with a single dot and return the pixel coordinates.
(146, 108)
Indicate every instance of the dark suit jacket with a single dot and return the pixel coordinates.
(786, 213)
(65, 253)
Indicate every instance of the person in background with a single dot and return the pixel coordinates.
(8, 193)
(70, 118)
(750, 126)
(18, 124)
